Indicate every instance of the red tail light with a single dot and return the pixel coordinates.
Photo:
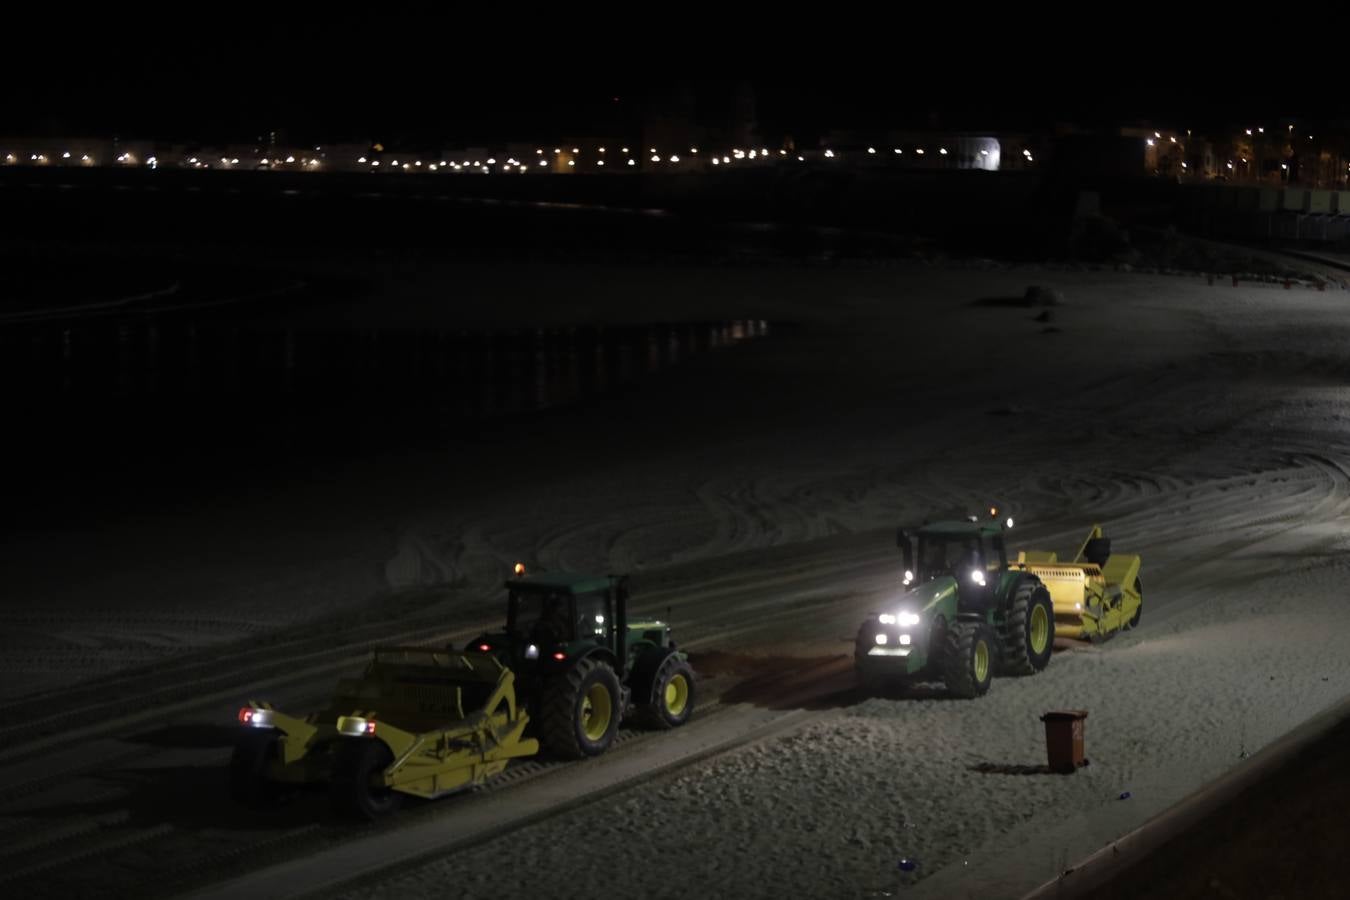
(245, 715)
(485, 647)
(560, 655)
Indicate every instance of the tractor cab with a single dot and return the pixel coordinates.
(553, 619)
(970, 553)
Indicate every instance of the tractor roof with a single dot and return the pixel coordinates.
(566, 582)
(956, 528)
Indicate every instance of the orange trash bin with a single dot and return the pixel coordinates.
(1064, 739)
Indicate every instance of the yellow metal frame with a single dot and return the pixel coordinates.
(1090, 601)
(470, 749)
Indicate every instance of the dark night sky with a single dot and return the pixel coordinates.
(460, 78)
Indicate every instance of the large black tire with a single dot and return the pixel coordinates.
(1138, 613)
(671, 702)
(968, 659)
(249, 784)
(359, 760)
(1029, 631)
(581, 710)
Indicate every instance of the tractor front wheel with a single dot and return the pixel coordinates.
(672, 695)
(359, 762)
(1029, 633)
(582, 708)
(968, 659)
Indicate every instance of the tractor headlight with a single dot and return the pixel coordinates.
(909, 576)
(881, 638)
(906, 619)
(904, 640)
(886, 619)
(977, 576)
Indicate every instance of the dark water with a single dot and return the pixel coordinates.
(164, 389)
(184, 368)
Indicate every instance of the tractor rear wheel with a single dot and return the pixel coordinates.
(1029, 632)
(249, 784)
(1139, 611)
(968, 659)
(672, 695)
(582, 708)
(359, 761)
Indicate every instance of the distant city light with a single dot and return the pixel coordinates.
(66, 155)
(599, 162)
(919, 151)
(1149, 141)
(631, 162)
(602, 149)
(291, 159)
(362, 160)
(492, 162)
(872, 150)
(575, 150)
(1249, 131)
(674, 159)
(655, 158)
(829, 154)
(942, 150)
(375, 162)
(898, 150)
(571, 162)
(716, 161)
(625, 149)
(543, 162)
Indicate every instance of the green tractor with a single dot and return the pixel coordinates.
(581, 666)
(964, 613)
